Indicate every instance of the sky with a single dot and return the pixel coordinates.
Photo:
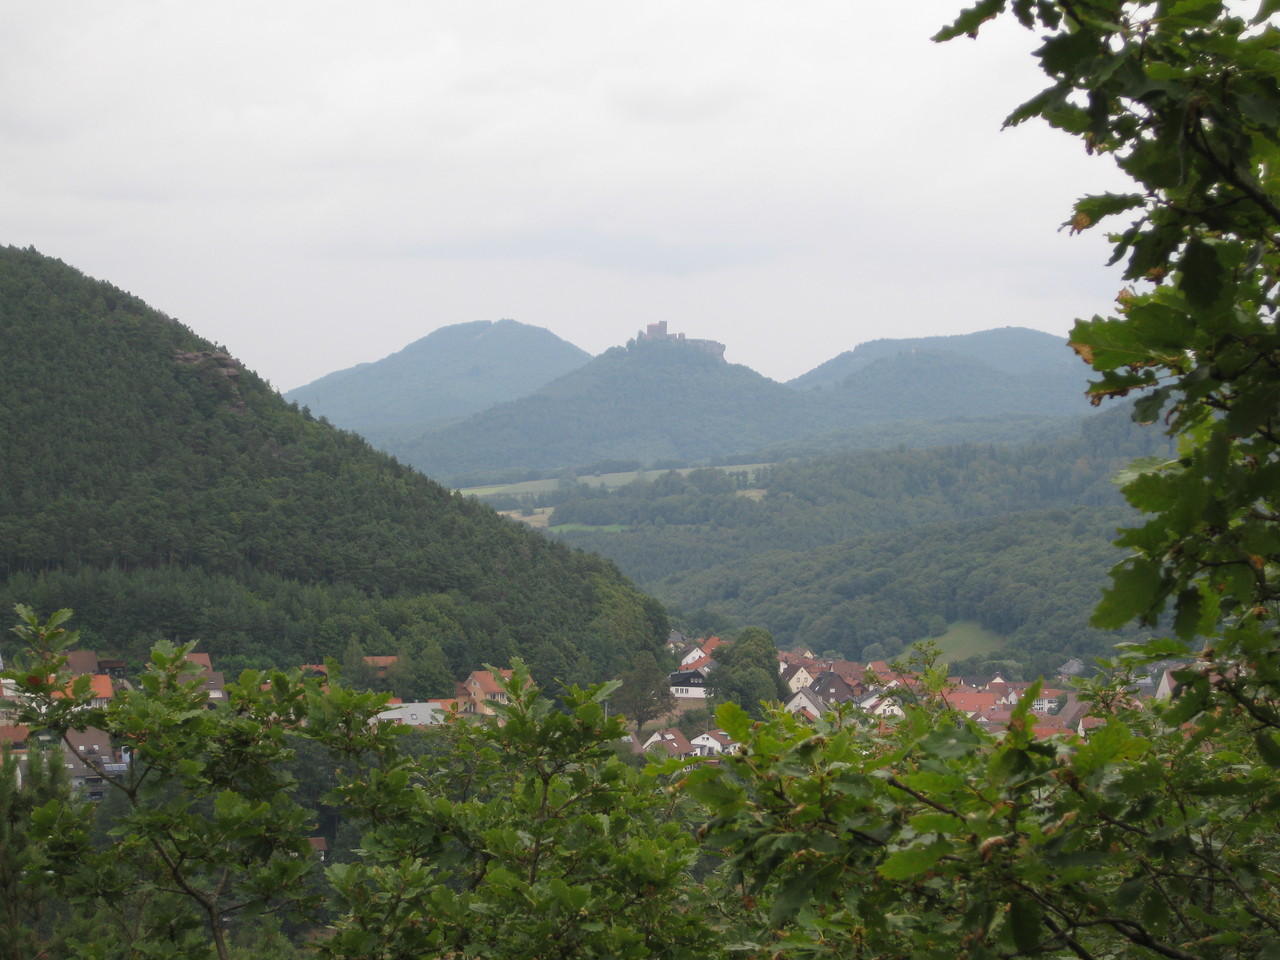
(315, 184)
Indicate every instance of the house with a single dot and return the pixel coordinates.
(81, 662)
(974, 703)
(1047, 701)
(689, 684)
(881, 702)
(699, 652)
(795, 675)
(850, 671)
(672, 742)
(101, 690)
(381, 665)
(831, 687)
(806, 703)
(422, 714)
(477, 694)
(319, 848)
(713, 743)
(91, 761)
(215, 686)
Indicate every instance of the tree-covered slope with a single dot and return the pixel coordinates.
(772, 546)
(450, 373)
(1033, 577)
(648, 402)
(148, 479)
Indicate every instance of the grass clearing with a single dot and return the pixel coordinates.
(609, 480)
(968, 639)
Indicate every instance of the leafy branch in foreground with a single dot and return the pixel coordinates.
(1185, 98)
(935, 838)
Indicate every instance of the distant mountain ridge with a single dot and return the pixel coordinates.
(662, 399)
(652, 400)
(450, 373)
(1011, 350)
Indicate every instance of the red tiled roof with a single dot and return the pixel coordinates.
(673, 742)
(12, 733)
(100, 687)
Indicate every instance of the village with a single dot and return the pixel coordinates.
(876, 691)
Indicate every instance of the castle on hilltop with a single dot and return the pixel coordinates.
(658, 331)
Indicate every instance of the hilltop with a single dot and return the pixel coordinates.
(652, 400)
(665, 399)
(450, 373)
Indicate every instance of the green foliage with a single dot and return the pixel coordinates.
(208, 820)
(1186, 102)
(847, 551)
(643, 693)
(527, 838)
(935, 839)
(40, 823)
(747, 672)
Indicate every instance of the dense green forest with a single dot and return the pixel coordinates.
(864, 552)
(160, 489)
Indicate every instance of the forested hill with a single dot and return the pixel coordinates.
(162, 490)
(668, 402)
(450, 373)
(1009, 351)
(648, 401)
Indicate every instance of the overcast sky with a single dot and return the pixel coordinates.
(315, 184)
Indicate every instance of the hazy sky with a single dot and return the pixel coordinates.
(315, 184)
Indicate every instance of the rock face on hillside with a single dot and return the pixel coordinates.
(448, 374)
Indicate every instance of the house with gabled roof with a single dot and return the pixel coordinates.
(690, 684)
(81, 662)
(713, 743)
(215, 684)
(418, 714)
(477, 694)
(805, 703)
(831, 687)
(671, 742)
(796, 676)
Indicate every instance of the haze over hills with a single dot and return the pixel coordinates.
(161, 490)
(666, 399)
(649, 401)
(451, 372)
(1013, 351)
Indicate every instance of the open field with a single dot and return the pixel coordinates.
(610, 480)
(967, 639)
